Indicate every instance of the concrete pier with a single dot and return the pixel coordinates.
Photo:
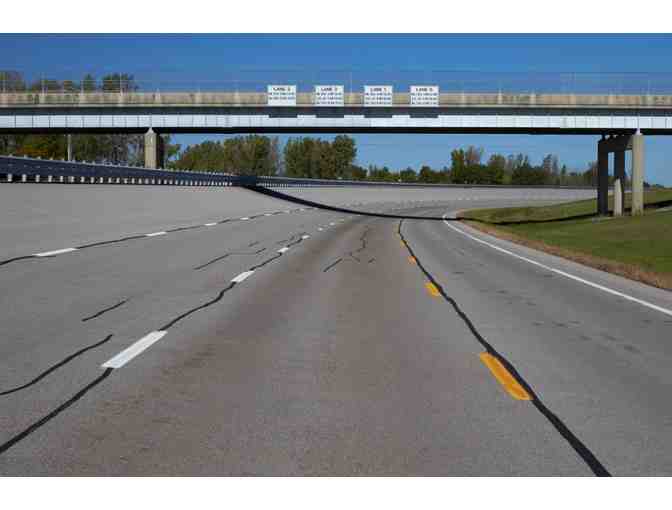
(602, 179)
(153, 149)
(637, 174)
(618, 198)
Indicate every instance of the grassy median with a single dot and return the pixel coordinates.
(636, 247)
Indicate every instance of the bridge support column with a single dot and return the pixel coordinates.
(637, 174)
(618, 197)
(602, 180)
(153, 149)
(619, 182)
(69, 141)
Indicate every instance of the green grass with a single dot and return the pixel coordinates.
(558, 211)
(641, 241)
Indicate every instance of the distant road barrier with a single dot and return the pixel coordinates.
(29, 170)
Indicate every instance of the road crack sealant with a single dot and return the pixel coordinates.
(108, 371)
(579, 447)
(105, 310)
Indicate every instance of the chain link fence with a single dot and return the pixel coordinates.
(353, 81)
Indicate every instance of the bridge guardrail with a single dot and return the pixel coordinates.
(22, 169)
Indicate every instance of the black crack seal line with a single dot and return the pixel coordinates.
(32, 428)
(579, 447)
(317, 205)
(221, 293)
(23, 257)
(113, 241)
(339, 259)
(105, 310)
(350, 254)
(226, 255)
(56, 367)
(362, 239)
(200, 307)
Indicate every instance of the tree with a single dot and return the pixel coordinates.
(495, 169)
(458, 171)
(240, 155)
(11, 81)
(380, 174)
(408, 175)
(344, 153)
(89, 83)
(427, 175)
(357, 173)
(473, 156)
(117, 82)
(528, 175)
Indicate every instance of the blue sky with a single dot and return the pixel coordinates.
(211, 60)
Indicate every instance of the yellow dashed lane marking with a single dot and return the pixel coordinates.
(433, 291)
(412, 260)
(504, 377)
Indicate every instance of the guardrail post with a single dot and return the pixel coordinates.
(24, 178)
(10, 177)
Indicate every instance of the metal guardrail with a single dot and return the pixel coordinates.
(15, 169)
(21, 169)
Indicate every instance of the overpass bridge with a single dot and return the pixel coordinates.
(622, 119)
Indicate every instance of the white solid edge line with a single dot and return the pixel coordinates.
(563, 273)
(131, 352)
(283, 249)
(154, 234)
(210, 224)
(242, 276)
(55, 252)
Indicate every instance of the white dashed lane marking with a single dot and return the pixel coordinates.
(54, 252)
(242, 276)
(283, 249)
(131, 352)
(154, 234)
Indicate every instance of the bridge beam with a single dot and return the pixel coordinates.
(153, 149)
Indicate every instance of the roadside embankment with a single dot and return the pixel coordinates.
(637, 247)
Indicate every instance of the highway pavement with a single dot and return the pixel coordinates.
(267, 338)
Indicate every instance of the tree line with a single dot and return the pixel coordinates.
(13, 81)
(309, 157)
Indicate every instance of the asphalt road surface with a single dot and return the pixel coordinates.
(274, 339)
